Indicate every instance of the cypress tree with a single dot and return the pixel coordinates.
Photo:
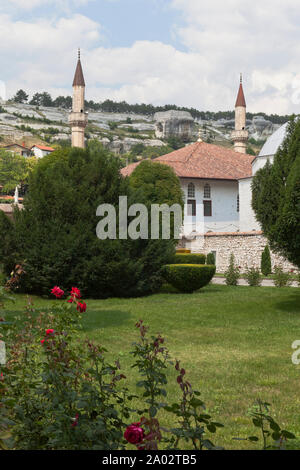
(276, 197)
(266, 265)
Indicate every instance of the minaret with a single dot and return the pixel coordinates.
(78, 118)
(240, 135)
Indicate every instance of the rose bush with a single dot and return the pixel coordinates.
(60, 393)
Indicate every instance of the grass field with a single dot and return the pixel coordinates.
(234, 342)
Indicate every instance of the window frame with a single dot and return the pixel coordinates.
(191, 194)
(191, 208)
(207, 190)
(206, 204)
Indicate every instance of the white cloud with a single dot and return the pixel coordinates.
(220, 39)
(259, 38)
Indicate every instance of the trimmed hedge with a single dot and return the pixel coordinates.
(189, 258)
(188, 278)
(182, 250)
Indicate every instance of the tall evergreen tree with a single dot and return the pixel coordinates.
(266, 265)
(276, 197)
(55, 234)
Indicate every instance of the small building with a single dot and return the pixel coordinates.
(41, 151)
(19, 149)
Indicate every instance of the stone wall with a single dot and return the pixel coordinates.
(247, 248)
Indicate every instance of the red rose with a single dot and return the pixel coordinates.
(81, 307)
(57, 292)
(134, 434)
(49, 332)
(42, 342)
(75, 293)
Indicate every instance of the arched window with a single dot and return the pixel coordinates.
(191, 190)
(207, 191)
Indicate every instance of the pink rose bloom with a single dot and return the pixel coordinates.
(49, 332)
(134, 434)
(81, 307)
(57, 292)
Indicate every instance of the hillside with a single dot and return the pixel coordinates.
(120, 132)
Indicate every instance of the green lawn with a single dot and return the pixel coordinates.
(235, 343)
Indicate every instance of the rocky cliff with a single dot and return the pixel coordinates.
(30, 125)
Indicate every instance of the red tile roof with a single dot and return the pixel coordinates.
(42, 147)
(78, 78)
(240, 101)
(204, 161)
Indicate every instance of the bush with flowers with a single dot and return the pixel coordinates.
(60, 393)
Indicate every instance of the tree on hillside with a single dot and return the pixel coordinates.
(276, 197)
(14, 170)
(63, 102)
(20, 97)
(55, 234)
(41, 99)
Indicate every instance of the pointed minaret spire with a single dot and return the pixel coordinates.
(78, 118)
(240, 135)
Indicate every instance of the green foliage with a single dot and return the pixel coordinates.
(190, 258)
(7, 245)
(250, 151)
(269, 428)
(232, 274)
(266, 265)
(112, 125)
(276, 197)
(55, 234)
(156, 184)
(194, 423)
(62, 394)
(14, 169)
(5, 297)
(175, 143)
(20, 97)
(42, 99)
(188, 277)
(253, 277)
(210, 259)
(281, 278)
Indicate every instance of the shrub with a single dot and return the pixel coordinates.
(210, 259)
(281, 278)
(188, 277)
(266, 265)
(183, 250)
(253, 277)
(55, 234)
(232, 274)
(190, 258)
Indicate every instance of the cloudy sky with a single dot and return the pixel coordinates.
(187, 52)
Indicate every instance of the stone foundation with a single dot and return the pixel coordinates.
(247, 248)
